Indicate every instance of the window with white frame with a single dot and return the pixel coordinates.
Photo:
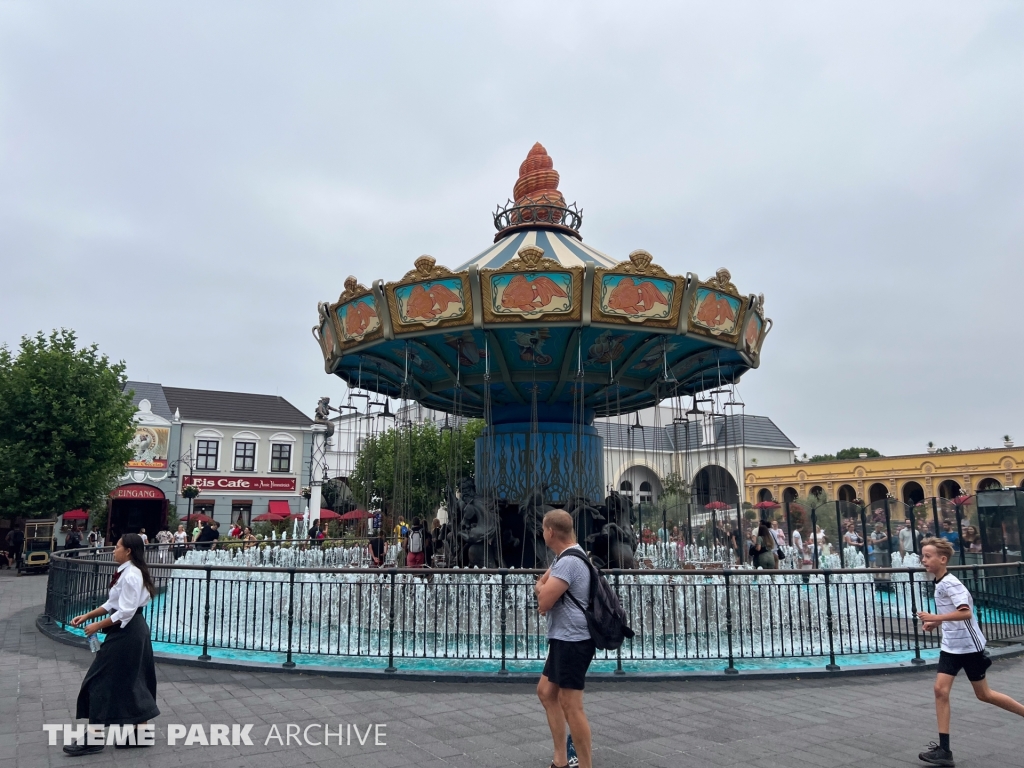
(245, 457)
(206, 454)
(280, 457)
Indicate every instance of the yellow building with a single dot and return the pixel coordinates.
(908, 478)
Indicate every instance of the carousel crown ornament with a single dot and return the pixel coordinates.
(538, 334)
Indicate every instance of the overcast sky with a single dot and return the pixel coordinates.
(181, 185)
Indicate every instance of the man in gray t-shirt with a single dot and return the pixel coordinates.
(565, 619)
(570, 648)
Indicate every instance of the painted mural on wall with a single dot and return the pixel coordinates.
(533, 293)
(606, 348)
(430, 303)
(470, 353)
(718, 312)
(358, 318)
(637, 298)
(150, 447)
(752, 332)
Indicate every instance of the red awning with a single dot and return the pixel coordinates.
(279, 507)
(76, 514)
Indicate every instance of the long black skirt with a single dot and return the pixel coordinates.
(120, 686)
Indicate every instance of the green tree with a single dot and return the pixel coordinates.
(65, 426)
(846, 453)
(406, 469)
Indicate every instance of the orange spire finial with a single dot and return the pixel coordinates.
(538, 180)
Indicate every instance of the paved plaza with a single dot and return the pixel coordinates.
(861, 721)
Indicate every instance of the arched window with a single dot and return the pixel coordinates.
(789, 494)
(764, 495)
(950, 489)
(626, 486)
(645, 487)
(714, 483)
(990, 484)
(877, 492)
(847, 493)
(817, 490)
(912, 493)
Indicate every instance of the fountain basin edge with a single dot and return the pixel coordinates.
(57, 633)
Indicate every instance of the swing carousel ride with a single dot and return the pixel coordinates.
(538, 335)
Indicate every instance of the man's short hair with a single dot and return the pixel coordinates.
(560, 523)
(942, 546)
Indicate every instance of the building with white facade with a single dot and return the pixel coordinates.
(247, 453)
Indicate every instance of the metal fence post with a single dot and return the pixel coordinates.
(618, 651)
(739, 532)
(814, 537)
(839, 535)
(935, 517)
(960, 533)
(504, 573)
(864, 532)
(913, 609)
(731, 669)
(913, 528)
(288, 664)
(888, 533)
(831, 666)
(206, 619)
(391, 625)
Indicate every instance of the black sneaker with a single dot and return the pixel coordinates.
(76, 750)
(936, 755)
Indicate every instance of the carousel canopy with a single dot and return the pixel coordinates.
(541, 317)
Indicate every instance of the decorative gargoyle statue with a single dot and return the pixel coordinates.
(615, 543)
(323, 414)
(533, 508)
(613, 547)
(586, 516)
(479, 529)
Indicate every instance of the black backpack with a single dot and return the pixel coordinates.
(605, 617)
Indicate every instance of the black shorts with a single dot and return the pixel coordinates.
(974, 664)
(568, 662)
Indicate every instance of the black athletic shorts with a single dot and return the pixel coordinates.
(974, 664)
(568, 662)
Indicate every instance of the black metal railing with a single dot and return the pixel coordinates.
(444, 618)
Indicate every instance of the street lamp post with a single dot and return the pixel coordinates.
(189, 491)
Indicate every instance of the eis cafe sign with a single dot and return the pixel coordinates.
(223, 484)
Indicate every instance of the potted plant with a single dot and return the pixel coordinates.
(306, 492)
(1008, 441)
(190, 491)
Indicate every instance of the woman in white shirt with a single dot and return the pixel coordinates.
(120, 686)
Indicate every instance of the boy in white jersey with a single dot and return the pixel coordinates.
(963, 646)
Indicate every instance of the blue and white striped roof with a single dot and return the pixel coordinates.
(563, 248)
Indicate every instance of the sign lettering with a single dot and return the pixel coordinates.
(224, 484)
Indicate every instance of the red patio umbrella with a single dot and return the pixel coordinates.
(199, 517)
(269, 517)
(356, 514)
(328, 514)
(76, 514)
(961, 499)
(767, 505)
(717, 505)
